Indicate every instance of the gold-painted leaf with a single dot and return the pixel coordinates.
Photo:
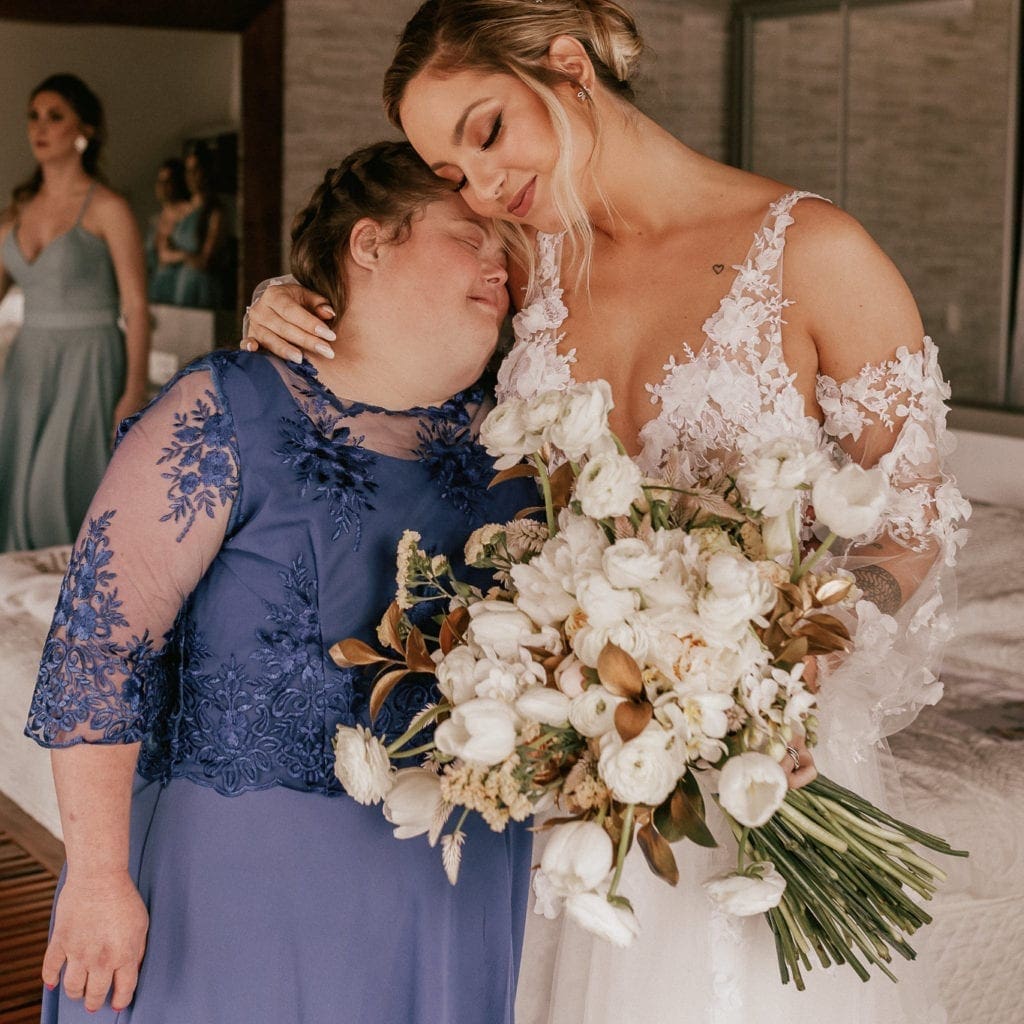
(631, 718)
(681, 816)
(525, 513)
(796, 650)
(514, 472)
(384, 685)
(392, 617)
(562, 482)
(351, 652)
(829, 622)
(821, 640)
(619, 672)
(452, 628)
(416, 656)
(658, 854)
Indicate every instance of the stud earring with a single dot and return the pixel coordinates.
(81, 144)
(583, 94)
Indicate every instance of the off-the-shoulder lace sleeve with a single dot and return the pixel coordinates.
(893, 415)
(154, 526)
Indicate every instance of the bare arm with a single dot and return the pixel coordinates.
(121, 234)
(100, 924)
(211, 242)
(288, 320)
(5, 278)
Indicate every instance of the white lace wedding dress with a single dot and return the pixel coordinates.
(692, 964)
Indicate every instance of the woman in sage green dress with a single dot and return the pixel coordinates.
(71, 374)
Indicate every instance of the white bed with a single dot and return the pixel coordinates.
(961, 763)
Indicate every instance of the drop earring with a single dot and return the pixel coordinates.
(583, 94)
(81, 144)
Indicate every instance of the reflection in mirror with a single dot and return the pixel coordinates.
(904, 112)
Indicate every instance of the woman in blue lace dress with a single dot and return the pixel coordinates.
(217, 873)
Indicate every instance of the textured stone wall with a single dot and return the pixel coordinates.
(336, 52)
(926, 153)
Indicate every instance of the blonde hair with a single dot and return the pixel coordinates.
(513, 37)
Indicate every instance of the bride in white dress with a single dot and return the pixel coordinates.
(649, 265)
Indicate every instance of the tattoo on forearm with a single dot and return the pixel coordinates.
(881, 587)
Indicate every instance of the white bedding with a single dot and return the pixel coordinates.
(961, 763)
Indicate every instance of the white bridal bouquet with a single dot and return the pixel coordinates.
(640, 638)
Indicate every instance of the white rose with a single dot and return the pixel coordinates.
(642, 771)
(592, 713)
(770, 479)
(608, 486)
(593, 912)
(602, 604)
(569, 676)
(413, 803)
(542, 410)
(481, 731)
(498, 627)
(583, 422)
(851, 500)
(577, 857)
(456, 675)
(752, 787)
(748, 895)
(541, 588)
(544, 705)
(631, 563)
(362, 764)
(503, 433)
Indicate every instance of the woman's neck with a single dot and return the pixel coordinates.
(63, 177)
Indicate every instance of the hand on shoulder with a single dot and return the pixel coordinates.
(848, 294)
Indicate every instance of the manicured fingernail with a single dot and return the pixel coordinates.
(328, 311)
(49, 986)
(295, 357)
(326, 333)
(326, 351)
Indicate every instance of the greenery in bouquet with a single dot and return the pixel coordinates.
(645, 634)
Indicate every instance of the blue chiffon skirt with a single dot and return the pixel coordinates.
(287, 907)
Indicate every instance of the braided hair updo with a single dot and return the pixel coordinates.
(386, 182)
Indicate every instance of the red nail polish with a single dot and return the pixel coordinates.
(49, 986)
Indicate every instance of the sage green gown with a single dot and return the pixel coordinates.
(63, 377)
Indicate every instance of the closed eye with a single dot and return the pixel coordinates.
(495, 132)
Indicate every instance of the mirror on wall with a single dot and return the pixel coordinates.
(904, 112)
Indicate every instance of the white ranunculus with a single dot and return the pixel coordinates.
(736, 594)
(362, 764)
(592, 713)
(545, 705)
(583, 421)
(578, 857)
(850, 501)
(770, 478)
(643, 770)
(747, 895)
(569, 676)
(456, 675)
(499, 628)
(593, 912)
(543, 410)
(602, 603)
(413, 803)
(506, 680)
(631, 563)
(608, 485)
(541, 587)
(503, 433)
(481, 731)
(752, 788)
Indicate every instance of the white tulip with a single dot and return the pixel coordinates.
(481, 731)
(747, 895)
(499, 627)
(569, 676)
(544, 705)
(608, 486)
(541, 588)
(850, 501)
(413, 803)
(643, 770)
(775, 534)
(593, 912)
(752, 787)
(578, 857)
(362, 764)
(456, 675)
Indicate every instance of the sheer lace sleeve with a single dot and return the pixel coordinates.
(156, 523)
(257, 295)
(893, 415)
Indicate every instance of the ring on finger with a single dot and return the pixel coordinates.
(795, 755)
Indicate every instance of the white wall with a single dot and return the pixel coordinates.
(158, 86)
(989, 467)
